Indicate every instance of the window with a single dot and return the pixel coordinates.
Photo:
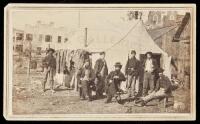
(38, 50)
(19, 36)
(29, 37)
(66, 39)
(48, 38)
(59, 39)
(40, 37)
(19, 48)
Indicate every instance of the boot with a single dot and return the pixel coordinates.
(52, 90)
(43, 86)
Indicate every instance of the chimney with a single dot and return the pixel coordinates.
(85, 43)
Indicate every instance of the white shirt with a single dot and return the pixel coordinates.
(149, 65)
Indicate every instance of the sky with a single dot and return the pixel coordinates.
(70, 18)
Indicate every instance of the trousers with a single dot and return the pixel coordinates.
(154, 95)
(100, 86)
(133, 85)
(148, 81)
(85, 89)
(48, 73)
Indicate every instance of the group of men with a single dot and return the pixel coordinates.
(155, 84)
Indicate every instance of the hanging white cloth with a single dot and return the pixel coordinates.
(167, 66)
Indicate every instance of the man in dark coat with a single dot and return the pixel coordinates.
(101, 72)
(162, 89)
(150, 66)
(49, 63)
(113, 82)
(87, 76)
(132, 74)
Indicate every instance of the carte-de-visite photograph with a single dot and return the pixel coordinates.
(100, 62)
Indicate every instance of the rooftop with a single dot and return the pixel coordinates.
(158, 32)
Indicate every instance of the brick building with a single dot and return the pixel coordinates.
(174, 38)
(18, 40)
(40, 36)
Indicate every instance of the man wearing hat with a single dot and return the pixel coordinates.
(132, 72)
(49, 63)
(87, 77)
(162, 89)
(101, 72)
(150, 66)
(113, 82)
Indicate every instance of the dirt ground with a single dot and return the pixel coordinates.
(28, 98)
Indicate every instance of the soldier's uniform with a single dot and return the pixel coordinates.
(132, 72)
(87, 77)
(49, 63)
(162, 89)
(101, 72)
(113, 82)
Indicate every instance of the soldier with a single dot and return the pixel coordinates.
(150, 66)
(49, 63)
(87, 77)
(132, 74)
(162, 89)
(101, 71)
(113, 82)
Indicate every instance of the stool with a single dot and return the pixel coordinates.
(165, 101)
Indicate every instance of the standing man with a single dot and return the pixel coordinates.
(113, 82)
(101, 72)
(163, 88)
(132, 74)
(49, 63)
(150, 66)
(87, 77)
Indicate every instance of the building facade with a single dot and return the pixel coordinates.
(39, 37)
(159, 19)
(180, 49)
(43, 36)
(18, 41)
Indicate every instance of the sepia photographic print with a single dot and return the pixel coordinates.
(100, 62)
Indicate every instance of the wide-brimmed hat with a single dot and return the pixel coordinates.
(149, 53)
(118, 64)
(50, 49)
(133, 51)
(160, 70)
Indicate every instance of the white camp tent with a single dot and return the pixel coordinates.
(135, 37)
(118, 43)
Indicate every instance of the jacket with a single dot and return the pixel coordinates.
(81, 74)
(132, 67)
(49, 61)
(163, 82)
(98, 68)
(113, 87)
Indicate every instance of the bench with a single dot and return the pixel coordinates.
(166, 99)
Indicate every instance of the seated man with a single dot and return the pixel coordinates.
(87, 76)
(113, 82)
(163, 88)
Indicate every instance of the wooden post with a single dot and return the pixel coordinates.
(29, 63)
(85, 43)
